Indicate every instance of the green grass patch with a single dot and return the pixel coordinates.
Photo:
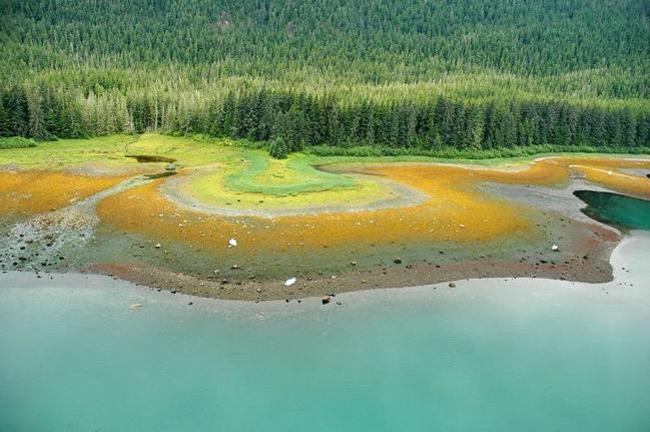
(290, 176)
(468, 154)
(16, 142)
(107, 150)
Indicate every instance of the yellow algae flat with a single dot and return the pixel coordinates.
(29, 192)
(452, 214)
(611, 178)
(455, 210)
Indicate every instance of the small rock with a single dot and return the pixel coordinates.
(290, 281)
(135, 306)
(232, 242)
(190, 303)
(157, 246)
(452, 285)
(555, 248)
(325, 300)
(397, 261)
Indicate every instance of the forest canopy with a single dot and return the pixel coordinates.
(418, 74)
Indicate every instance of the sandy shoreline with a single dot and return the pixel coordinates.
(621, 281)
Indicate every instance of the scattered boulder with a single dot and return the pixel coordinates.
(555, 248)
(397, 261)
(452, 285)
(135, 306)
(232, 242)
(325, 300)
(290, 281)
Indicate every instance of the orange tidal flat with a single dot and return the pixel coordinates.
(456, 211)
(556, 170)
(618, 181)
(30, 192)
(453, 214)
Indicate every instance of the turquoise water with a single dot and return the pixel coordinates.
(488, 355)
(615, 209)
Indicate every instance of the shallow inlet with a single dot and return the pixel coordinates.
(615, 209)
(488, 355)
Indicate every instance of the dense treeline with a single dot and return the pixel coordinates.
(408, 74)
(370, 40)
(301, 120)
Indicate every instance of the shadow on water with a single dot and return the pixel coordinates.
(614, 209)
(151, 158)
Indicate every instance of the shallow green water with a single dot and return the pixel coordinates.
(489, 355)
(615, 209)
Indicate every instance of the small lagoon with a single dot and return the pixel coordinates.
(616, 209)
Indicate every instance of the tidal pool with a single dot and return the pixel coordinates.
(487, 355)
(615, 209)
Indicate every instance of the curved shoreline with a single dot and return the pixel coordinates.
(474, 228)
(310, 302)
